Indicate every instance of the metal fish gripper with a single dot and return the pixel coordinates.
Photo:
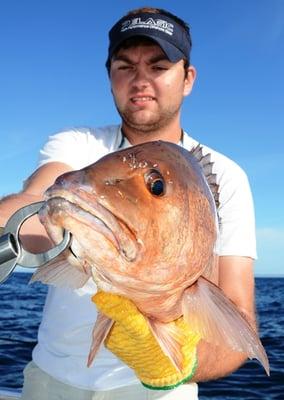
(12, 253)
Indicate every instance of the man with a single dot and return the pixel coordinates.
(150, 74)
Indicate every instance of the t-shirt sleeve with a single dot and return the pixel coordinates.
(236, 214)
(69, 147)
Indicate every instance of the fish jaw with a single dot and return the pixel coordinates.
(98, 238)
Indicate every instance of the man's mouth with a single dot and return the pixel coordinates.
(142, 99)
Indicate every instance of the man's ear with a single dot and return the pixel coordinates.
(189, 80)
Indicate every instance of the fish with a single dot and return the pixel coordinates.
(144, 225)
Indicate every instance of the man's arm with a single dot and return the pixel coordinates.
(236, 279)
(33, 234)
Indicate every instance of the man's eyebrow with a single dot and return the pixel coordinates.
(159, 57)
(121, 58)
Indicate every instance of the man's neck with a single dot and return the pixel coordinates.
(169, 134)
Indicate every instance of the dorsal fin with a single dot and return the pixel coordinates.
(207, 166)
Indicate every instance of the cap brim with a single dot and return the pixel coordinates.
(172, 52)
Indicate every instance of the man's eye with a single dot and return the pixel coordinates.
(159, 67)
(124, 67)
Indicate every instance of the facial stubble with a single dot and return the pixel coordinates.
(159, 120)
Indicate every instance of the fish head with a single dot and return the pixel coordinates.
(142, 218)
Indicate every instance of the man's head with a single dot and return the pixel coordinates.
(152, 25)
(148, 65)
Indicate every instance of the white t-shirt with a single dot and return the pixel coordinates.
(64, 336)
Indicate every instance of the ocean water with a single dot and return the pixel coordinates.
(20, 313)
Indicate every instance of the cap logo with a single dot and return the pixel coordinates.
(149, 23)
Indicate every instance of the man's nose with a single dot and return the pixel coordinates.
(141, 78)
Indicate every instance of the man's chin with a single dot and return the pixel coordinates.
(141, 121)
(142, 126)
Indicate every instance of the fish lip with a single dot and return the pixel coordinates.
(115, 225)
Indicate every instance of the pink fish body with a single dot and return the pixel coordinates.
(144, 225)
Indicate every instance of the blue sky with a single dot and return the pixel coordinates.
(52, 76)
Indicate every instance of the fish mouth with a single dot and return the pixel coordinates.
(96, 216)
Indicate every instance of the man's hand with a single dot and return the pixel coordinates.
(131, 339)
(33, 234)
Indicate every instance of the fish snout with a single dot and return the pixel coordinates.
(71, 177)
(74, 182)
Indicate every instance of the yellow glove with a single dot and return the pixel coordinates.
(131, 340)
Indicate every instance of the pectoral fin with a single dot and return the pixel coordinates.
(61, 273)
(210, 313)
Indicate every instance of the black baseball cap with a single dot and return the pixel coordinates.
(172, 37)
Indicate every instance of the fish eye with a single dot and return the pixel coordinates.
(155, 183)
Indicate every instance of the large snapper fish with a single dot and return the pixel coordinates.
(144, 226)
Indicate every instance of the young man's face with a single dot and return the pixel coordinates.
(148, 89)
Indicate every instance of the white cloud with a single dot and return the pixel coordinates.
(271, 236)
(270, 246)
